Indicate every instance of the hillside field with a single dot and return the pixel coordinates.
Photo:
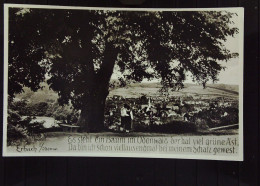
(152, 89)
(138, 89)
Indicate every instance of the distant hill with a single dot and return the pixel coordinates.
(137, 90)
(228, 88)
(42, 95)
(152, 89)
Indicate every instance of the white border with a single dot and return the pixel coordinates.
(240, 156)
(241, 85)
(118, 9)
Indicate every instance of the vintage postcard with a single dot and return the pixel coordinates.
(123, 82)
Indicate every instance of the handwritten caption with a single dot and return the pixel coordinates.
(37, 148)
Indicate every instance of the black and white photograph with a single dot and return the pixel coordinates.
(123, 82)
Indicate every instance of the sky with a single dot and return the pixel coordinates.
(231, 74)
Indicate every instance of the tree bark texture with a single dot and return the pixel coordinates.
(92, 115)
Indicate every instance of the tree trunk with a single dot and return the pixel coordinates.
(92, 115)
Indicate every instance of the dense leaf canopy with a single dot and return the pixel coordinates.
(77, 51)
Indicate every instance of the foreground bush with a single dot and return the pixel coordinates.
(20, 129)
(175, 127)
(216, 117)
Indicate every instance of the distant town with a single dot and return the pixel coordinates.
(205, 111)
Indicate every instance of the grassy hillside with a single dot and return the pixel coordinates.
(152, 89)
(228, 88)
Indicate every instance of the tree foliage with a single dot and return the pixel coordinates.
(78, 50)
